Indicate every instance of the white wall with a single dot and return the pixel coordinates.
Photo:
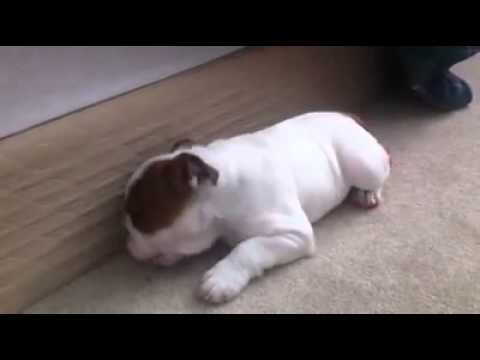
(41, 83)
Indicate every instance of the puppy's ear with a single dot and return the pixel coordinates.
(182, 144)
(196, 171)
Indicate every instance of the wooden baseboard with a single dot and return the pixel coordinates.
(62, 182)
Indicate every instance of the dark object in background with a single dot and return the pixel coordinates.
(427, 74)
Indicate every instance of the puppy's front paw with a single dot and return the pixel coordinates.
(223, 282)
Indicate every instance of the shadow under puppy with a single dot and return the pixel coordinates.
(260, 192)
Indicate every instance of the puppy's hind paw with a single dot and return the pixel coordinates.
(366, 199)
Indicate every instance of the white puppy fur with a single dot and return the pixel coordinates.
(272, 185)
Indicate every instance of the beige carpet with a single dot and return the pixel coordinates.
(418, 253)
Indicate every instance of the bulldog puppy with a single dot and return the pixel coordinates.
(260, 192)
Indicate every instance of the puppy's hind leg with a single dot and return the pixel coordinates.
(367, 168)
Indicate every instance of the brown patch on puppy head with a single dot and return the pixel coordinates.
(183, 144)
(166, 188)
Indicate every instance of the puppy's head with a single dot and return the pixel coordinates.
(164, 210)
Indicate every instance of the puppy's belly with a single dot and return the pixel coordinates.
(317, 202)
(321, 185)
(318, 193)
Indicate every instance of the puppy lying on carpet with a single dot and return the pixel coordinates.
(260, 192)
